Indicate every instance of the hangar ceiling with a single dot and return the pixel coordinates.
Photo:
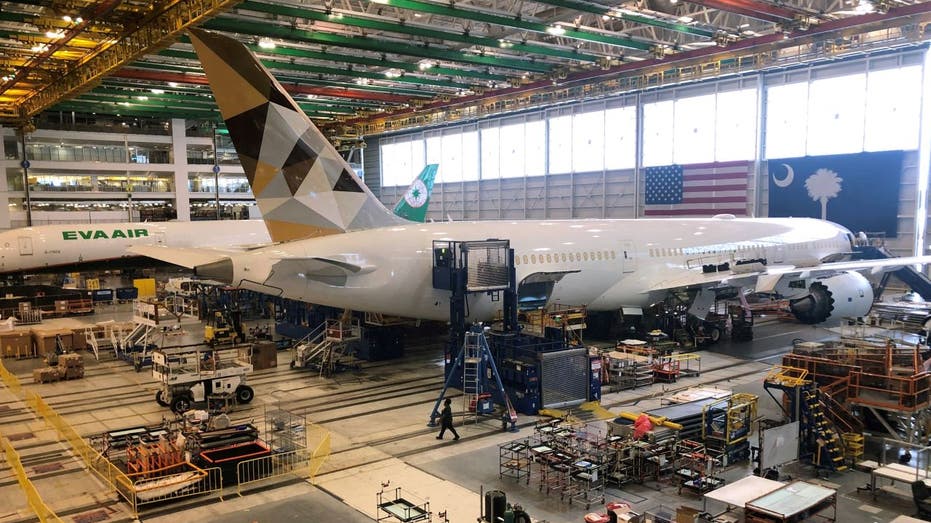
(368, 66)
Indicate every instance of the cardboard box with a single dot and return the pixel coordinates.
(61, 307)
(16, 344)
(70, 360)
(46, 374)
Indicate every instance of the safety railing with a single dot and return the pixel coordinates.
(183, 480)
(33, 499)
(902, 394)
(787, 376)
(318, 439)
(10, 381)
(274, 466)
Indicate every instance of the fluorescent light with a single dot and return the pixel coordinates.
(686, 19)
(392, 73)
(426, 64)
(78, 20)
(66, 18)
(266, 43)
(54, 35)
(157, 91)
(142, 98)
(172, 84)
(311, 96)
(556, 30)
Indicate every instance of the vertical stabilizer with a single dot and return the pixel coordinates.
(302, 185)
(413, 205)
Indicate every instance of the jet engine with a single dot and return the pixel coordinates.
(840, 296)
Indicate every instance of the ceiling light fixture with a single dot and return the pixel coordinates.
(556, 30)
(66, 18)
(54, 35)
(157, 91)
(392, 73)
(425, 65)
(172, 84)
(266, 43)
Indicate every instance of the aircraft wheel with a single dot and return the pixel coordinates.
(159, 400)
(244, 394)
(181, 404)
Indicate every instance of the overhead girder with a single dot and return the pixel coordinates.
(751, 9)
(147, 86)
(424, 50)
(306, 68)
(153, 29)
(915, 13)
(414, 30)
(142, 74)
(100, 9)
(628, 15)
(377, 62)
(508, 21)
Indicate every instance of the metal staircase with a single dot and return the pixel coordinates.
(328, 348)
(828, 448)
(821, 417)
(875, 249)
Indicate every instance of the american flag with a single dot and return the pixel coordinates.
(700, 189)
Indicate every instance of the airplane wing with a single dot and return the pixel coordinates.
(329, 270)
(183, 256)
(765, 280)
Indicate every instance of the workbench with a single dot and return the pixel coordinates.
(897, 472)
(796, 501)
(738, 493)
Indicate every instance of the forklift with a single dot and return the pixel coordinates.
(224, 326)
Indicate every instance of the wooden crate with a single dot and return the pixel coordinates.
(44, 340)
(16, 344)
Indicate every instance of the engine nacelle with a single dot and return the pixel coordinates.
(840, 296)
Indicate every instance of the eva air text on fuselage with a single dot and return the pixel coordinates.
(100, 234)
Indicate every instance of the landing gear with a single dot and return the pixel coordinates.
(159, 400)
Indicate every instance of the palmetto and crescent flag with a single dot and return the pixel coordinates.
(859, 191)
(700, 189)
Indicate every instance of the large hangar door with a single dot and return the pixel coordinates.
(565, 377)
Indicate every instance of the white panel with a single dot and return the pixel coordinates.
(560, 153)
(735, 126)
(511, 143)
(535, 147)
(693, 133)
(491, 153)
(657, 133)
(588, 141)
(893, 108)
(621, 138)
(835, 115)
(786, 120)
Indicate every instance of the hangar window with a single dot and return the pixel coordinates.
(588, 141)
(620, 144)
(401, 161)
(836, 109)
(893, 106)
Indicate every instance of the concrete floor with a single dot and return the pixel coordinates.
(377, 419)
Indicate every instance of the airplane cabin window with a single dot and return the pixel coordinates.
(533, 258)
(549, 258)
(525, 258)
(613, 255)
(585, 256)
(564, 257)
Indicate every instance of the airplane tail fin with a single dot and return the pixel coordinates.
(413, 205)
(302, 185)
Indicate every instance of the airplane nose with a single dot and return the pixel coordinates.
(221, 271)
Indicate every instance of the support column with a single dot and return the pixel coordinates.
(179, 161)
(4, 186)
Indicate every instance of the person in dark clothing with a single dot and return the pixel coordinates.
(446, 420)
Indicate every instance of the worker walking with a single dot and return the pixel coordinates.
(446, 420)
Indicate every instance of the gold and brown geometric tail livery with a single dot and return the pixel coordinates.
(303, 187)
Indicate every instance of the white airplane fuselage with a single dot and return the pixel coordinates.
(62, 246)
(616, 262)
